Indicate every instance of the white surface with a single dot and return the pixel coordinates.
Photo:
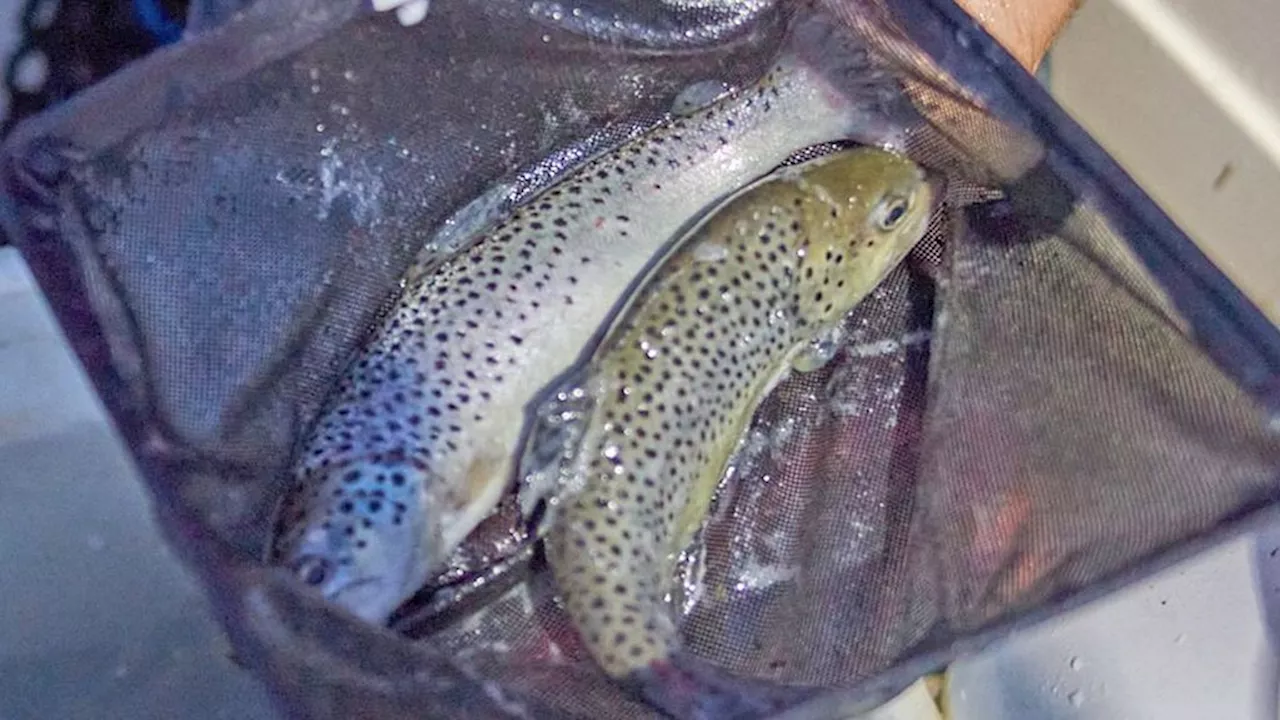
(1191, 645)
(1183, 93)
(1176, 103)
(98, 620)
(914, 703)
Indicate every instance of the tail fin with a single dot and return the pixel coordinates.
(853, 76)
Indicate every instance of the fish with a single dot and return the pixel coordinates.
(419, 440)
(756, 291)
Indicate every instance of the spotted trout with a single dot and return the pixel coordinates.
(754, 292)
(417, 445)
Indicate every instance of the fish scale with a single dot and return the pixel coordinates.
(417, 445)
(755, 291)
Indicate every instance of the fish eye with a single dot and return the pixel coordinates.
(313, 570)
(892, 211)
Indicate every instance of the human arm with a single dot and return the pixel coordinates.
(1026, 28)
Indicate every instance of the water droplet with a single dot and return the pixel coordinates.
(413, 12)
(349, 76)
(31, 71)
(1076, 698)
(1076, 664)
(319, 127)
(546, 38)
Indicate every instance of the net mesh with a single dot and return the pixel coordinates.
(1055, 393)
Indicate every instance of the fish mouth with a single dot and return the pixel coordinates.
(361, 597)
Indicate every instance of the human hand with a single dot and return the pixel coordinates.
(1026, 28)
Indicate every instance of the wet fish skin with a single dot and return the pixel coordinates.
(417, 446)
(749, 295)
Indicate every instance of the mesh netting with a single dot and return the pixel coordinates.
(1055, 393)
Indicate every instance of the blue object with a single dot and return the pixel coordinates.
(1045, 71)
(155, 21)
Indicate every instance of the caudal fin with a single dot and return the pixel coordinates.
(851, 77)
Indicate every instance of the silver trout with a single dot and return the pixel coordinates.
(757, 290)
(417, 446)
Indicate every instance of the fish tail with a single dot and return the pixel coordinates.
(850, 77)
(607, 583)
(630, 630)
